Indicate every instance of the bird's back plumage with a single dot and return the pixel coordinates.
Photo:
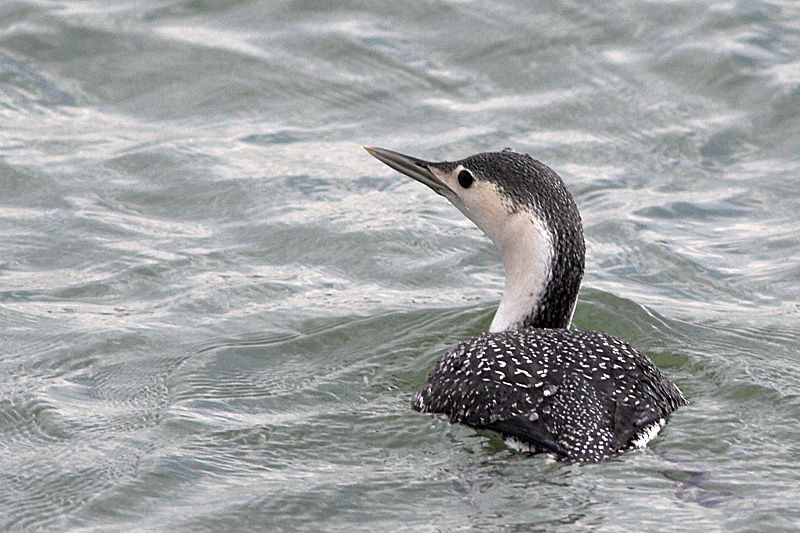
(580, 395)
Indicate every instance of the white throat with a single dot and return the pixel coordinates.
(524, 241)
(527, 250)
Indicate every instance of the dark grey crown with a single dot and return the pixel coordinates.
(529, 184)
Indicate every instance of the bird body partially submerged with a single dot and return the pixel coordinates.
(579, 395)
(576, 394)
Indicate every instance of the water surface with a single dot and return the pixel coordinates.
(216, 308)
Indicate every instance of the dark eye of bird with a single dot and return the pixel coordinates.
(465, 178)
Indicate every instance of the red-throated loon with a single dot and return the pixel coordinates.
(579, 395)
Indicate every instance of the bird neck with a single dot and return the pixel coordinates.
(543, 274)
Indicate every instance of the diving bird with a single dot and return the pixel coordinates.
(578, 395)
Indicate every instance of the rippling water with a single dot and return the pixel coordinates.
(216, 308)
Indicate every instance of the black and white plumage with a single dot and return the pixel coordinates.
(579, 395)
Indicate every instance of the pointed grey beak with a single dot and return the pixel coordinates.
(410, 166)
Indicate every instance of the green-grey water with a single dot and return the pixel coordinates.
(216, 308)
